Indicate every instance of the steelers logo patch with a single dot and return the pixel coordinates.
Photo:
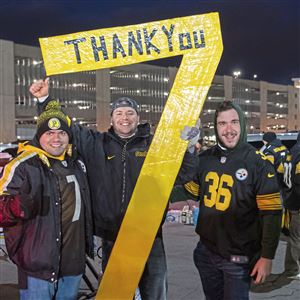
(241, 174)
(54, 123)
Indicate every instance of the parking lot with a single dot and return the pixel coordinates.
(183, 278)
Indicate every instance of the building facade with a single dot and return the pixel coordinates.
(86, 96)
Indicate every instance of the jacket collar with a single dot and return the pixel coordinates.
(32, 147)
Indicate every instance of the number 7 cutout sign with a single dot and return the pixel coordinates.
(198, 39)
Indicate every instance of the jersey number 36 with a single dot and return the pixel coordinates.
(220, 194)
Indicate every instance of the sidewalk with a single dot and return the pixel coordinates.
(183, 278)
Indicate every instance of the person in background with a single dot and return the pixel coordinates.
(277, 154)
(292, 204)
(280, 157)
(239, 211)
(46, 211)
(114, 160)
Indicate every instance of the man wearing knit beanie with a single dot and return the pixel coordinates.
(53, 129)
(277, 154)
(269, 137)
(292, 204)
(53, 119)
(46, 211)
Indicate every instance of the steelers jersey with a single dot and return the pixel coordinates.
(235, 188)
(292, 200)
(277, 154)
(72, 260)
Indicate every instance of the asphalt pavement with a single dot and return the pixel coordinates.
(183, 279)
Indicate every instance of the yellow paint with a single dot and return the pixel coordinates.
(157, 176)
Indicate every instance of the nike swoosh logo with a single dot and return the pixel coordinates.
(110, 157)
(270, 175)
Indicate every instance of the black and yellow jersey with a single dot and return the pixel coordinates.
(52, 229)
(292, 201)
(235, 188)
(278, 155)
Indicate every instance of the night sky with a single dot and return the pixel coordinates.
(260, 36)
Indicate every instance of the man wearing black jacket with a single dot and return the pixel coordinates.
(277, 154)
(46, 211)
(292, 204)
(114, 160)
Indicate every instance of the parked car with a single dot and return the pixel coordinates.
(3, 147)
(10, 148)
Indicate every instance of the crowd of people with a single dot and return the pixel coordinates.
(70, 183)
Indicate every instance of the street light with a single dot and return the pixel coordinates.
(37, 62)
(236, 73)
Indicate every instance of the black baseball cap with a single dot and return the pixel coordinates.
(124, 102)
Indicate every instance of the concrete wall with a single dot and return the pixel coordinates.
(7, 92)
(103, 99)
(263, 106)
(228, 87)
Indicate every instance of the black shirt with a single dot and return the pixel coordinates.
(73, 243)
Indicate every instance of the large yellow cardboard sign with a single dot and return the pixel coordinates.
(198, 39)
